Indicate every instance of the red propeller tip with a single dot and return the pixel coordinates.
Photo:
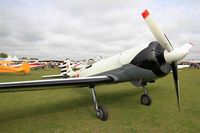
(145, 14)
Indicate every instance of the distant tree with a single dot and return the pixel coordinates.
(33, 58)
(24, 58)
(3, 55)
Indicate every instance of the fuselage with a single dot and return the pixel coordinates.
(139, 63)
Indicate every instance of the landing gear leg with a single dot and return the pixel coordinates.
(101, 111)
(145, 98)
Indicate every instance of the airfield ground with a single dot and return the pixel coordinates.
(70, 110)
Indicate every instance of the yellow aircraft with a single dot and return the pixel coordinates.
(5, 62)
(24, 68)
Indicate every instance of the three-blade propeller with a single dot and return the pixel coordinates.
(171, 55)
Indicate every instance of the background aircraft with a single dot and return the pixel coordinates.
(36, 65)
(5, 62)
(183, 66)
(69, 69)
(139, 65)
(24, 68)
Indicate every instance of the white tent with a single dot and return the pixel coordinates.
(15, 58)
(9, 58)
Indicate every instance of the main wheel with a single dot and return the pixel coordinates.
(102, 113)
(146, 99)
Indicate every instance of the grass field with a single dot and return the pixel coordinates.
(71, 110)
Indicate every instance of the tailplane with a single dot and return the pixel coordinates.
(25, 68)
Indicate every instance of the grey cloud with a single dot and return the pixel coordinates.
(84, 29)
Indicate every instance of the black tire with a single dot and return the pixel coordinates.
(102, 113)
(146, 99)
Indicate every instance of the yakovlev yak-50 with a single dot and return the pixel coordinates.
(139, 65)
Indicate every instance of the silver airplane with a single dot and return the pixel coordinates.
(139, 65)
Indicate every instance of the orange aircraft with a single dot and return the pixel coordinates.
(24, 68)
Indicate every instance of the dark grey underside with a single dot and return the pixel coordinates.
(130, 72)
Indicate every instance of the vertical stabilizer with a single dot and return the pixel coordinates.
(66, 68)
(25, 68)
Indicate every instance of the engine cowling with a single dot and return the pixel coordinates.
(152, 58)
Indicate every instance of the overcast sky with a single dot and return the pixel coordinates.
(57, 29)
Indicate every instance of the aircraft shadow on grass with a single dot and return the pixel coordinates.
(64, 105)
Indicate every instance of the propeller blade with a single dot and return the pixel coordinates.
(159, 35)
(176, 82)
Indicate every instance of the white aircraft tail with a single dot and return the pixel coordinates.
(66, 68)
(66, 71)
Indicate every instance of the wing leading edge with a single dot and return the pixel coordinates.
(82, 81)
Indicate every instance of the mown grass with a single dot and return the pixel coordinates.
(70, 110)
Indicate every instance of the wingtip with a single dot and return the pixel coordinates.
(145, 14)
